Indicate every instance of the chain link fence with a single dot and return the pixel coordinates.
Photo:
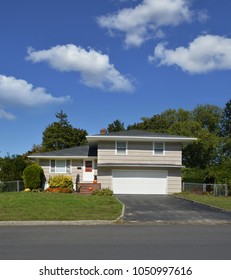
(214, 189)
(11, 186)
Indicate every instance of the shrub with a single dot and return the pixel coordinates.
(103, 192)
(1, 187)
(61, 181)
(33, 176)
(58, 190)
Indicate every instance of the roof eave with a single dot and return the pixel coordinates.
(141, 165)
(61, 157)
(97, 138)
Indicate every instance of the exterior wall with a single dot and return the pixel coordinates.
(140, 152)
(173, 179)
(105, 177)
(76, 169)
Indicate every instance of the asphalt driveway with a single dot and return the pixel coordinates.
(164, 209)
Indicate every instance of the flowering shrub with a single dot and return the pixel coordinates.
(61, 181)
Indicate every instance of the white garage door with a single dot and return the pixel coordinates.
(139, 182)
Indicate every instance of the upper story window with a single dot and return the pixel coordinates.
(60, 166)
(158, 148)
(121, 147)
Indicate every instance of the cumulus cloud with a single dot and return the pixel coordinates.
(205, 54)
(6, 115)
(17, 92)
(94, 67)
(146, 19)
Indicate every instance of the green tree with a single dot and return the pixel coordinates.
(60, 135)
(11, 168)
(156, 123)
(209, 116)
(201, 153)
(226, 120)
(116, 126)
(226, 131)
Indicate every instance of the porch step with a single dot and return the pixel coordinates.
(87, 188)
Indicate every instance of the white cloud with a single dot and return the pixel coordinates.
(146, 19)
(6, 115)
(205, 54)
(16, 92)
(94, 67)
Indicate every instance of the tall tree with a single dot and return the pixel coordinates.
(209, 116)
(60, 135)
(226, 130)
(226, 120)
(116, 126)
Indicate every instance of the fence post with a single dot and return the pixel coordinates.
(204, 187)
(183, 186)
(17, 185)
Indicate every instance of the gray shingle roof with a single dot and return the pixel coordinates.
(81, 151)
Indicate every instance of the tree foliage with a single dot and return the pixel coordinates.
(115, 126)
(11, 168)
(226, 120)
(61, 134)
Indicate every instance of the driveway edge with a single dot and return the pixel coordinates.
(120, 218)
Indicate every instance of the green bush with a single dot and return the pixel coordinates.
(61, 181)
(103, 192)
(1, 187)
(33, 177)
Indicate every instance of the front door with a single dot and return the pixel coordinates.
(88, 171)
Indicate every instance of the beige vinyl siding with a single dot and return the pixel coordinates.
(174, 180)
(105, 177)
(45, 164)
(139, 152)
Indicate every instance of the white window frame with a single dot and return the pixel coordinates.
(126, 148)
(67, 168)
(154, 149)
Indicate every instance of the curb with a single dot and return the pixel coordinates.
(57, 223)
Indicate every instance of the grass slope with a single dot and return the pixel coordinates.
(216, 201)
(56, 207)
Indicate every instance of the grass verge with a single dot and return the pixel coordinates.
(216, 201)
(57, 207)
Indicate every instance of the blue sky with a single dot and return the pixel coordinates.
(107, 59)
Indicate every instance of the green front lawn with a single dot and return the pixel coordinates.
(216, 201)
(57, 207)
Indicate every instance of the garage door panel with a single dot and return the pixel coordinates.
(139, 182)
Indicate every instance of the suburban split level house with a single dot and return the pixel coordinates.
(127, 162)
